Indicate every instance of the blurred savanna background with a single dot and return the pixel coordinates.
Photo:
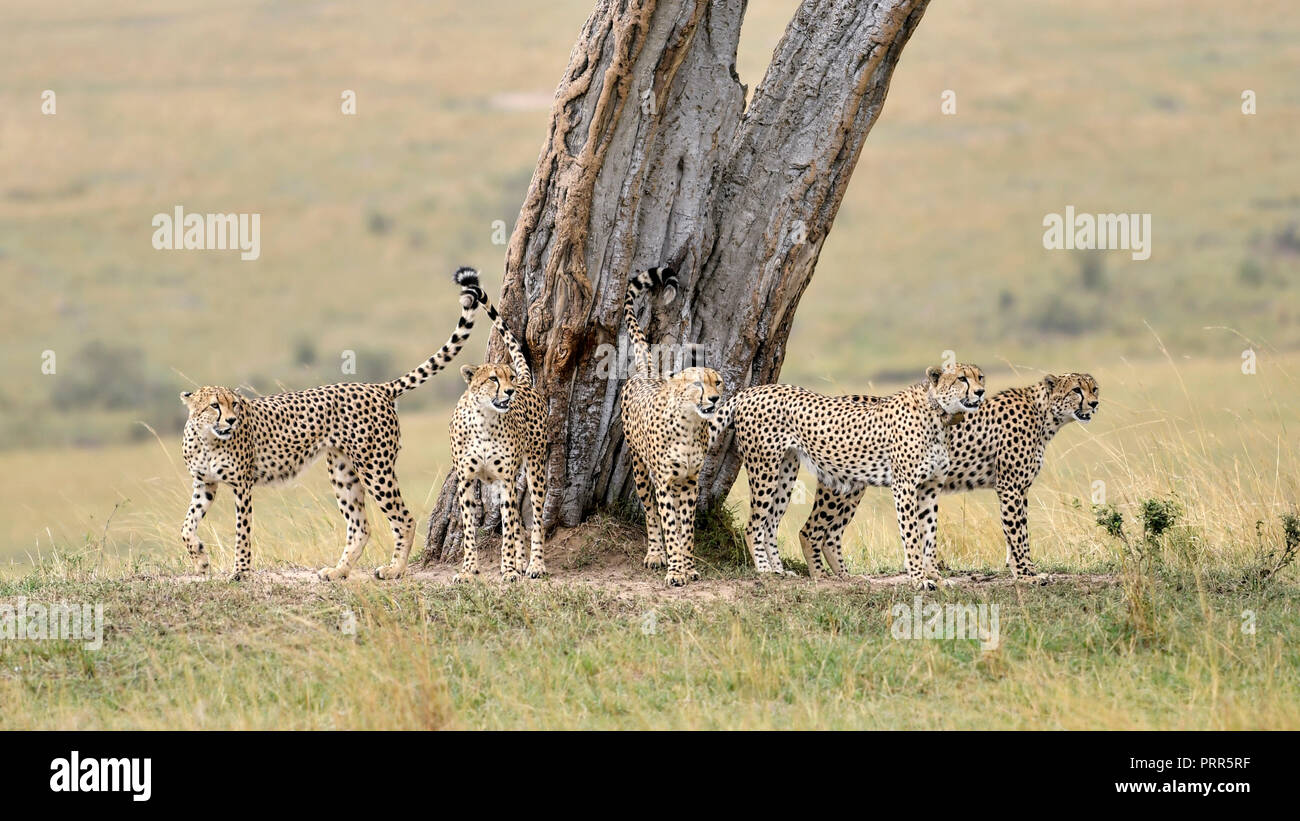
(1110, 106)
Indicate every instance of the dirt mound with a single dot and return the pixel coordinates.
(606, 552)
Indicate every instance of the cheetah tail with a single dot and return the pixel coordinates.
(467, 279)
(664, 279)
(722, 420)
(523, 374)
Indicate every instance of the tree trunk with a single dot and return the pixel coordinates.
(652, 157)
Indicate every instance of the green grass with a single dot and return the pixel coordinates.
(783, 653)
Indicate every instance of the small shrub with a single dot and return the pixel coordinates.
(1110, 520)
(1270, 562)
(1158, 516)
(1137, 574)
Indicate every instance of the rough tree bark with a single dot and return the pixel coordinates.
(653, 157)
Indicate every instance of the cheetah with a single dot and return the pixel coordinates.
(665, 422)
(499, 428)
(245, 442)
(899, 441)
(1000, 446)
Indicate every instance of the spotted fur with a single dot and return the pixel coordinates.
(497, 430)
(665, 422)
(900, 441)
(245, 442)
(1000, 447)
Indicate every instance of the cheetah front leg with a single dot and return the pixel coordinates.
(668, 515)
(1014, 504)
(824, 531)
(204, 493)
(512, 547)
(928, 514)
(812, 536)
(905, 505)
(687, 498)
(787, 475)
(351, 499)
(468, 529)
(655, 555)
(243, 532)
(762, 486)
(537, 497)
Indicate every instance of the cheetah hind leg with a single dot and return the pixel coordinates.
(381, 484)
(351, 500)
(789, 474)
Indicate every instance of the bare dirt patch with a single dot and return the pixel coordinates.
(605, 553)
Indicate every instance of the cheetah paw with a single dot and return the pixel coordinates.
(510, 576)
(1031, 578)
(238, 575)
(939, 580)
(389, 571)
(332, 574)
(677, 579)
(924, 584)
(654, 561)
(536, 570)
(465, 576)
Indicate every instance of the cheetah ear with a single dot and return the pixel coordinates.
(932, 373)
(467, 372)
(185, 397)
(1050, 382)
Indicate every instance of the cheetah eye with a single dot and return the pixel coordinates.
(1079, 391)
(215, 405)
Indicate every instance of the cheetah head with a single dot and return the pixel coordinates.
(491, 385)
(215, 411)
(956, 389)
(703, 389)
(1072, 396)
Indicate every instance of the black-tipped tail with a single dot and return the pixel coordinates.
(664, 277)
(466, 277)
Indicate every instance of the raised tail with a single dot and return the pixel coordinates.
(467, 279)
(664, 279)
(722, 420)
(523, 374)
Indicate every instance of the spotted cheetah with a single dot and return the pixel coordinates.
(499, 428)
(665, 422)
(898, 441)
(1000, 446)
(247, 442)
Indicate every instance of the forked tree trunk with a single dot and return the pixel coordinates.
(652, 157)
